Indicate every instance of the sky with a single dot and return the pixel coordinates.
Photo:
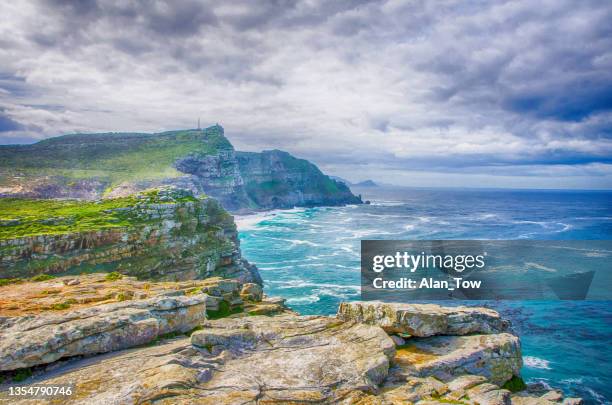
(419, 93)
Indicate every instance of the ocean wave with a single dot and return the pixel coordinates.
(308, 299)
(296, 242)
(540, 267)
(251, 221)
(369, 232)
(596, 395)
(536, 362)
(322, 255)
(487, 215)
(299, 283)
(292, 242)
(387, 203)
(335, 292)
(383, 216)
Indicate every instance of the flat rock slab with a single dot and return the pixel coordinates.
(423, 319)
(33, 340)
(495, 357)
(66, 294)
(252, 360)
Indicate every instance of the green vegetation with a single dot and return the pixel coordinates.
(515, 384)
(42, 277)
(122, 297)
(7, 281)
(223, 311)
(22, 374)
(60, 305)
(113, 276)
(110, 157)
(24, 217)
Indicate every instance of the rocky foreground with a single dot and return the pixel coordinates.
(217, 341)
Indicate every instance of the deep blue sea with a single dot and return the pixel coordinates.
(311, 257)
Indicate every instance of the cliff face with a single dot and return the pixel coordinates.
(275, 179)
(92, 166)
(165, 234)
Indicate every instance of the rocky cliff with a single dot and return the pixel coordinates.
(174, 342)
(91, 166)
(160, 234)
(278, 180)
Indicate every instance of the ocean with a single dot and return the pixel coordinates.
(310, 256)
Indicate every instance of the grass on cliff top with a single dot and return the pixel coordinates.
(110, 157)
(23, 217)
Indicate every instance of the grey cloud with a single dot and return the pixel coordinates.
(411, 85)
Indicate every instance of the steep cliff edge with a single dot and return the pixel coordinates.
(92, 166)
(278, 180)
(159, 234)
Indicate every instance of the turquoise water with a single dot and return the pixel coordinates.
(311, 257)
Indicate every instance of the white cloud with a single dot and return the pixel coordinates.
(410, 86)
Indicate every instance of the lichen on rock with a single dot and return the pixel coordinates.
(423, 319)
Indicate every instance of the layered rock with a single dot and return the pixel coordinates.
(496, 357)
(423, 319)
(284, 359)
(34, 340)
(42, 322)
(167, 234)
(66, 294)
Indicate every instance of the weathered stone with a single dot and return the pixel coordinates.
(496, 357)
(489, 394)
(226, 338)
(553, 396)
(265, 308)
(33, 340)
(412, 390)
(399, 341)
(251, 292)
(466, 382)
(290, 360)
(63, 294)
(423, 319)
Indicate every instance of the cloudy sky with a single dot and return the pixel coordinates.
(438, 93)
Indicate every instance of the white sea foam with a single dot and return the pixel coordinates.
(335, 292)
(536, 362)
(388, 203)
(299, 283)
(487, 216)
(369, 232)
(295, 242)
(540, 267)
(596, 253)
(249, 222)
(596, 395)
(564, 227)
(308, 299)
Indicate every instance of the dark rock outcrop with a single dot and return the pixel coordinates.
(275, 179)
